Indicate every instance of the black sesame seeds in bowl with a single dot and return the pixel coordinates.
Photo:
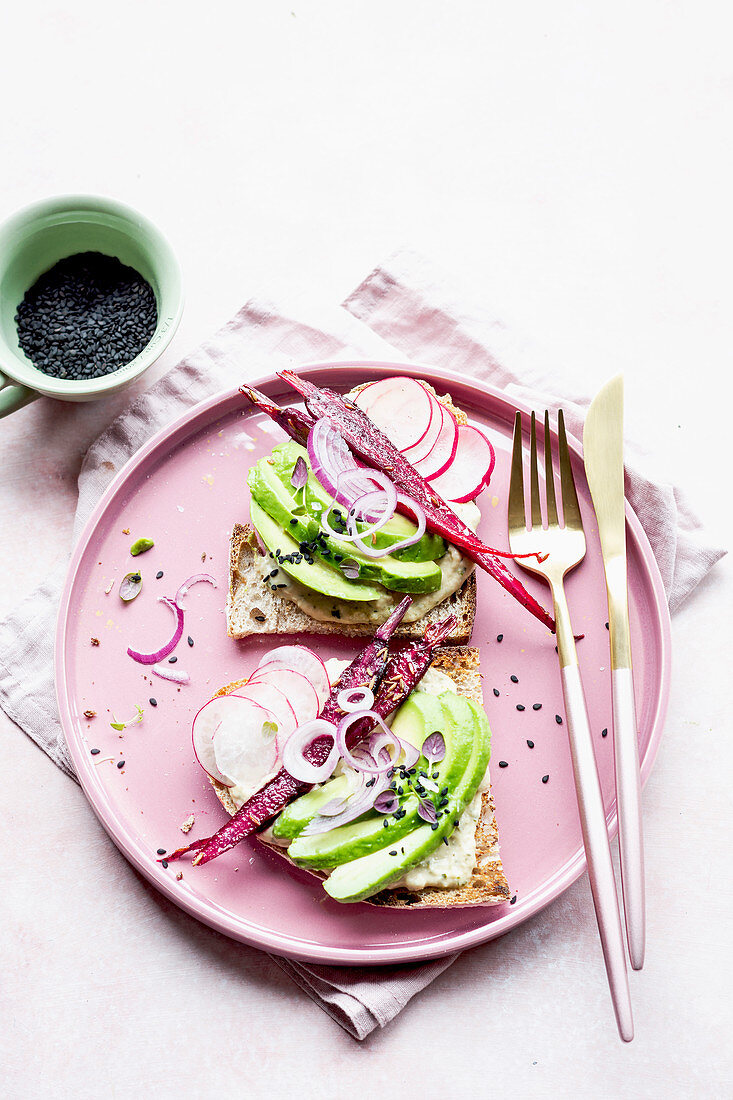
(90, 296)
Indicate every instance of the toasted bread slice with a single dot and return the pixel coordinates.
(253, 608)
(488, 884)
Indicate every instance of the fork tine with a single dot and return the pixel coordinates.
(570, 506)
(516, 481)
(534, 480)
(549, 476)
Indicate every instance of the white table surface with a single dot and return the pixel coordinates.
(571, 163)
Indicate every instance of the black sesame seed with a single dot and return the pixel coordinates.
(153, 702)
(500, 637)
(607, 627)
(120, 763)
(434, 825)
(514, 900)
(293, 522)
(164, 863)
(159, 574)
(604, 733)
(385, 823)
(393, 852)
(94, 752)
(496, 692)
(537, 706)
(514, 679)
(558, 719)
(172, 660)
(545, 778)
(530, 744)
(445, 840)
(190, 640)
(520, 706)
(503, 763)
(161, 851)
(274, 572)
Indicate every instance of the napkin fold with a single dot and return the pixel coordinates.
(403, 310)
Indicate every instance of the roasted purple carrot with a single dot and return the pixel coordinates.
(292, 421)
(366, 670)
(371, 445)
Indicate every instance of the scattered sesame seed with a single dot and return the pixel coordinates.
(607, 627)
(164, 863)
(514, 679)
(496, 692)
(520, 706)
(500, 637)
(95, 752)
(393, 852)
(558, 719)
(537, 706)
(530, 744)
(172, 660)
(120, 763)
(190, 640)
(604, 733)
(160, 852)
(159, 574)
(545, 778)
(153, 702)
(503, 763)
(514, 900)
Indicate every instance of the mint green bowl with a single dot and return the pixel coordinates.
(33, 240)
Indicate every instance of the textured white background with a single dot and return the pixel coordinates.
(571, 164)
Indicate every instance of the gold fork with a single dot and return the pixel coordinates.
(564, 547)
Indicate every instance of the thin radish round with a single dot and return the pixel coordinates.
(299, 658)
(400, 407)
(205, 725)
(422, 449)
(299, 690)
(443, 451)
(245, 743)
(267, 695)
(470, 470)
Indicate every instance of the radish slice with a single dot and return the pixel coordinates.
(422, 449)
(299, 690)
(273, 699)
(205, 725)
(443, 450)
(470, 470)
(245, 743)
(299, 658)
(400, 407)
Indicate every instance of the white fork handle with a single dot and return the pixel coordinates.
(597, 849)
(628, 798)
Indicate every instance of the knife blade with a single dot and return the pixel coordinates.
(604, 467)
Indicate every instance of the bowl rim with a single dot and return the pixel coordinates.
(24, 372)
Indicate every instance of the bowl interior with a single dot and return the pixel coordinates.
(37, 238)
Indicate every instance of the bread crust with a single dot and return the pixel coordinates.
(488, 884)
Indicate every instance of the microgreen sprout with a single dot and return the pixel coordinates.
(131, 722)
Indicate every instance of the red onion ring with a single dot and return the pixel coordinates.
(358, 764)
(176, 675)
(371, 551)
(293, 753)
(349, 705)
(195, 579)
(160, 654)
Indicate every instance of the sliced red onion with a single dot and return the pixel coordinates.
(377, 768)
(372, 551)
(335, 806)
(178, 676)
(335, 466)
(195, 579)
(426, 810)
(160, 654)
(354, 699)
(433, 747)
(379, 746)
(369, 505)
(293, 753)
(300, 473)
(356, 804)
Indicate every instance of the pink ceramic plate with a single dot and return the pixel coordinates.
(185, 489)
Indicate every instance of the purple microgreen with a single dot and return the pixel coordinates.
(130, 586)
(433, 748)
(385, 803)
(300, 473)
(350, 568)
(426, 810)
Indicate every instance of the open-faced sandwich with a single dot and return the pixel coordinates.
(371, 774)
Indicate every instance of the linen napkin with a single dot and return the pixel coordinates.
(402, 310)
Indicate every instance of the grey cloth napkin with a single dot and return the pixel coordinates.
(402, 310)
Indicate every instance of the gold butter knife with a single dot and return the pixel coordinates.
(604, 467)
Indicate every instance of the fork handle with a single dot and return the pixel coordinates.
(597, 849)
(628, 798)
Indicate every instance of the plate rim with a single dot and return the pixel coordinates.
(531, 904)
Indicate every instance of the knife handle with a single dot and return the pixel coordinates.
(628, 799)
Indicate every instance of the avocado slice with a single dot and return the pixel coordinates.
(318, 575)
(430, 547)
(294, 818)
(419, 716)
(367, 875)
(287, 509)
